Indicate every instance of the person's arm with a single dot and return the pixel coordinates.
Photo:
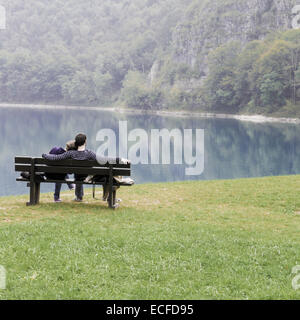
(104, 160)
(63, 156)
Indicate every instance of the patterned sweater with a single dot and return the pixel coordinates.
(80, 155)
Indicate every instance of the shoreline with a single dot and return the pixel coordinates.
(179, 114)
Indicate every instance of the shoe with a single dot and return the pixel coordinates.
(72, 186)
(57, 200)
(77, 200)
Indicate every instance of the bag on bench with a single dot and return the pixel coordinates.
(39, 177)
(124, 180)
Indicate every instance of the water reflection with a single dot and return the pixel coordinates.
(233, 149)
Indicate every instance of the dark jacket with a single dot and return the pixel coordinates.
(56, 176)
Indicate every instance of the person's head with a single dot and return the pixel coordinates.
(70, 145)
(80, 140)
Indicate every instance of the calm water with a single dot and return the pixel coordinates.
(233, 149)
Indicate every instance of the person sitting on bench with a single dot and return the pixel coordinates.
(56, 150)
(81, 154)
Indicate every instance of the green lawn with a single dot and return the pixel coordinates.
(233, 239)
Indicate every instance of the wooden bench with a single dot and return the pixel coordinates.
(37, 167)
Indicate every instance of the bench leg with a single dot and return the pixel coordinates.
(94, 187)
(112, 198)
(37, 193)
(34, 194)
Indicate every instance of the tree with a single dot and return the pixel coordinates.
(219, 86)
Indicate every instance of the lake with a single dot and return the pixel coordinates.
(232, 148)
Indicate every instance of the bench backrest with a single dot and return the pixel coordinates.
(39, 165)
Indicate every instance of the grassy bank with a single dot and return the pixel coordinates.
(234, 239)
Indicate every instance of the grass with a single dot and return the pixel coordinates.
(232, 239)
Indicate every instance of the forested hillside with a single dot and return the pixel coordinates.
(217, 55)
(79, 51)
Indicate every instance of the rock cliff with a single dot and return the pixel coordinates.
(209, 24)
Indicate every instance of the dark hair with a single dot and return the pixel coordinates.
(80, 140)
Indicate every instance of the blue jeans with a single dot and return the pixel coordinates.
(79, 191)
(79, 187)
(58, 188)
